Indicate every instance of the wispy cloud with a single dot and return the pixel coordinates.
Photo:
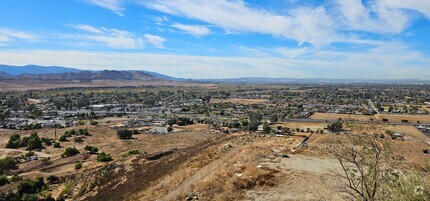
(112, 5)
(312, 25)
(154, 40)
(115, 38)
(195, 30)
(8, 35)
(318, 25)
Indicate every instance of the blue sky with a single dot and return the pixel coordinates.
(383, 39)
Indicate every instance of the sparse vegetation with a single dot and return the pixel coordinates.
(130, 153)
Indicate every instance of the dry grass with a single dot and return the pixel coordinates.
(332, 116)
(398, 118)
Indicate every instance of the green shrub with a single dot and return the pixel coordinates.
(124, 134)
(31, 142)
(63, 138)
(3, 180)
(91, 149)
(57, 145)
(15, 178)
(48, 142)
(78, 165)
(130, 153)
(14, 141)
(7, 164)
(53, 179)
(103, 157)
(78, 139)
(69, 152)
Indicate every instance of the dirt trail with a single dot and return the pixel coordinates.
(5, 151)
(123, 185)
(198, 176)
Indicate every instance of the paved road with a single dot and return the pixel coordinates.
(373, 106)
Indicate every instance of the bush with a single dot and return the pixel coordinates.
(335, 127)
(78, 165)
(14, 141)
(78, 139)
(124, 134)
(48, 142)
(57, 145)
(34, 142)
(130, 153)
(3, 180)
(63, 138)
(103, 157)
(69, 152)
(7, 164)
(94, 123)
(53, 179)
(15, 178)
(31, 142)
(31, 187)
(91, 149)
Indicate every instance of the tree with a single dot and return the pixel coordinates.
(34, 142)
(335, 127)
(14, 141)
(367, 166)
(7, 164)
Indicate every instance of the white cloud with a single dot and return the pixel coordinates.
(381, 16)
(113, 5)
(8, 35)
(154, 40)
(195, 30)
(87, 28)
(422, 6)
(115, 38)
(318, 25)
(312, 25)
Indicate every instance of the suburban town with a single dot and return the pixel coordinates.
(61, 134)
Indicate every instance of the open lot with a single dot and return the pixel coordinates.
(333, 116)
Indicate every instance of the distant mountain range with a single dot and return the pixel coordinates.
(8, 72)
(34, 69)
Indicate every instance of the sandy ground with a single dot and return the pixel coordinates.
(305, 178)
